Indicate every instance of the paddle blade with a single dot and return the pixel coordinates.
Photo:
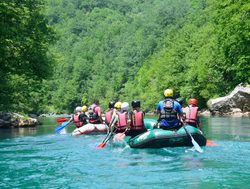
(211, 143)
(120, 136)
(60, 127)
(196, 146)
(61, 119)
(102, 145)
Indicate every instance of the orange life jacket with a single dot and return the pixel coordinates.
(137, 120)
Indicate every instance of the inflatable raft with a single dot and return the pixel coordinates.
(91, 129)
(159, 138)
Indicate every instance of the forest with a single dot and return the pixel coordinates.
(58, 54)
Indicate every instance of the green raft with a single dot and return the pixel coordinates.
(159, 138)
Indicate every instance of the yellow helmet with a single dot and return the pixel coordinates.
(84, 109)
(168, 93)
(118, 105)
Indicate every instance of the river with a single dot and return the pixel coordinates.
(39, 158)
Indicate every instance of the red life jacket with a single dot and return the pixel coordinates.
(191, 114)
(77, 122)
(137, 122)
(122, 121)
(108, 117)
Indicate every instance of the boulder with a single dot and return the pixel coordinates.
(8, 120)
(236, 103)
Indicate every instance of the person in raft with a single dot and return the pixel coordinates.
(83, 116)
(170, 112)
(119, 120)
(137, 120)
(122, 121)
(108, 114)
(75, 117)
(95, 114)
(190, 113)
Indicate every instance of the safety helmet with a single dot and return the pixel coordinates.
(78, 109)
(111, 104)
(168, 93)
(84, 108)
(136, 104)
(192, 101)
(124, 106)
(118, 105)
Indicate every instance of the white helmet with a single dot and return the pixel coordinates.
(78, 109)
(124, 106)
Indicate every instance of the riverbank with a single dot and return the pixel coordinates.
(10, 119)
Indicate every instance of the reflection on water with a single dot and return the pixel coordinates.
(227, 128)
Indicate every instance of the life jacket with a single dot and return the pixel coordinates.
(77, 122)
(93, 117)
(168, 112)
(191, 114)
(122, 121)
(108, 116)
(137, 120)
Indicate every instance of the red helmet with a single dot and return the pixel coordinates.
(192, 101)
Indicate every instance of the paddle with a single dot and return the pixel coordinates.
(196, 145)
(107, 138)
(209, 142)
(61, 119)
(61, 126)
(120, 136)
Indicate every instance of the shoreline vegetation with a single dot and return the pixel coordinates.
(236, 104)
(57, 55)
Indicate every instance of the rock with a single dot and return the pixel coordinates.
(236, 103)
(246, 114)
(8, 120)
(4, 124)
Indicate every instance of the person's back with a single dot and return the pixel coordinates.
(170, 112)
(108, 114)
(83, 117)
(114, 118)
(123, 119)
(137, 120)
(78, 123)
(191, 113)
(94, 112)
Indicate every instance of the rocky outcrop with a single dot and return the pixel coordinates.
(236, 103)
(8, 120)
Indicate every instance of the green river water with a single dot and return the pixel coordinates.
(39, 158)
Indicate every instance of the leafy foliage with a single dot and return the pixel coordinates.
(25, 61)
(120, 50)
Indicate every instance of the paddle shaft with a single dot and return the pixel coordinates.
(113, 121)
(195, 144)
